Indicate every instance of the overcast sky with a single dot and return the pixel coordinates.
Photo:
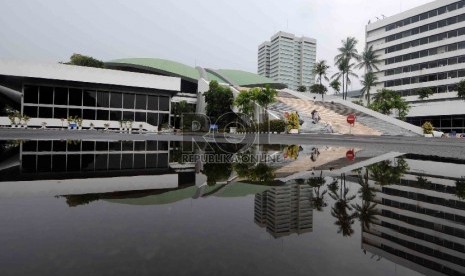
(210, 33)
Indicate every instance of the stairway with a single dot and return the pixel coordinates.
(384, 127)
(327, 114)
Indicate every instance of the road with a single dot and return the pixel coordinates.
(446, 147)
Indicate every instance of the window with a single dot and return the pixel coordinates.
(140, 117)
(60, 113)
(415, 67)
(433, 64)
(116, 100)
(433, 26)
(45, 112)
(452, 7)
(152, 103)
(90, 98)
(441, 10)
(103, 99)
(452, 74)
(31, 111)
(415, 31)
(141, 102)
(46, 95)
(89, 114)
(424, 53)
(164, 104)
(423, 16)
(452, 61)
(452, 34)
(414, 19)
(461, 59)
(61, 96)
(442, 62)
(102, 115)
(452, 47)
(152, 118)
(433, 38)
(432, 13)
(442, 76)
(415, 43)
(75, 112)
(128, 116)
(423, 28)
(75, 97)
(128, 101)
(31, 94)
(461, 31)
(115, 115)
(433, 51)
(451, 20)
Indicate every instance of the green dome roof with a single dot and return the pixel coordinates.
(162, 66)
(247, 79)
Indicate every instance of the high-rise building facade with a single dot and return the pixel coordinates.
(420, 219)
(288, 59)
(424, 47)
(285, 210)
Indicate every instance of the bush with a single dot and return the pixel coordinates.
(427, 128)
(293, 121)
(277, 126)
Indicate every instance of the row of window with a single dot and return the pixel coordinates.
(425, 28)
(152, 118)
(453, 231)
(425, 40)
(92, 162)
(448, 123)
(421, 261)
(423, 236)
(427, 78)
(92, 98)
(425, 250)
(428, 52)
(456, 204)
(458, 122)
(104, 146)
(425, 15)
(425, 211)
(435, 89)
(425, 65)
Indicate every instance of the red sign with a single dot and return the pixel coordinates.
(351, 119)
(350, 155)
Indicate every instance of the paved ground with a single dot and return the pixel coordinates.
(446, 147)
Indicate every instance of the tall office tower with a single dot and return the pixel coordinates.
(420, 219)
(424, 47)
(285, 210)
(288, 59)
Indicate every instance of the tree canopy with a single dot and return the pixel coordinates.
(302, 88)
(424, 93)
(82, 60)
(219, 100)
(461, 89)
(386, 101)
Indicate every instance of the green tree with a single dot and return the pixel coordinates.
(87, 61)
(369, 60)
(424, 93)
(385, 101)
(347, 52)
(321, 69)
(302, 88)
(461, 89)
(341, 209)
(265, 97)
(245, 101)
(319, 89)
(336, 86)
(369, 80)
(345, 72)
(180, 108)
(219, 100)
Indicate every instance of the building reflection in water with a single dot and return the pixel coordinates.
(285, 210)
(421, 221)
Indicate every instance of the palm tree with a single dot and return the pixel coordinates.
(321, 69)
(367, 211)
(266, 97)
(336, 85)
(341, 209)
(369, 80)
(368, 60)
(346, 53)
(319, 199)
(345, 70)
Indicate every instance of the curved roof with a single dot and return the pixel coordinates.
(163, 66)
(176, 69)
(247, 79)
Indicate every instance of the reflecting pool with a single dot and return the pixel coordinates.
(136, 208)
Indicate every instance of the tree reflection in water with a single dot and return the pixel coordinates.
(342, 208)
(319, 198)
(385, 173)
(366, 211)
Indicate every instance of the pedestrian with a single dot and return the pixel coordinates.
(316, 116)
